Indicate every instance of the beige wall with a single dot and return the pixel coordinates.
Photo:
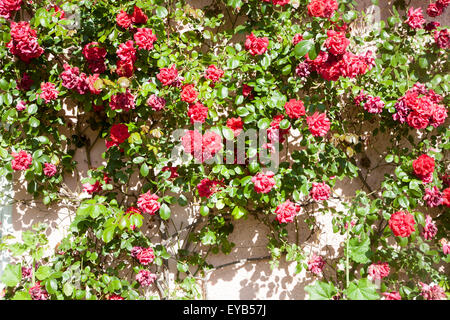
(251, 280)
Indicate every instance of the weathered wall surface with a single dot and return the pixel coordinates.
(250, 280)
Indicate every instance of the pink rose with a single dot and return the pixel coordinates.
(287, 211)
(148, 203)
(49, 169)
(264, 182)
(320, 191)
(318, 124)
(21, 161)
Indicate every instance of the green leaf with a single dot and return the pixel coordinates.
(144, 170)
(228, 133)
(204, 211)
(358, 250)
(302, 48)
(108, 234)
(239, 212)
(68, 289)
(43, 272)
(164, 212)
(363, 290)
(12, 275)
(21, 295)
(161, 12)
(321, 291)
(209, 238)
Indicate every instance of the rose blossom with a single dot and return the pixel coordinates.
(198, 112)
(318, 124)
(213, 73)
(316, 264)
(423, 168)
(303, 70)
(402, 224)
(27, 272)
(202, 147)
(439, 115)
(115, 297)
(156, 103)
(432, 292)
(415, 18)
(434, 10)
(8, 6)
(256, 46)
(294, 109)
(138, 16)
(135, 251)
(145, 256)
(145, 38)
(188, 93)
(320, 191)
(445, 246)
(442, 38)
(373, 105)
(247, 91)
(49, 92)
(49, 169)
(127, 51)
(322, 8)
(379, 270)
(148, 203)
(95, 83)
(25, 82)
(37, 292)
(173, 171)
(287, 211)
(236, 125)
(122, 101)
(123, 19)
(206, 188)
(446, 197)
(393, 295)
(92, 188)
(433, 197)
(21, 161)
(168, 76)
(24, 42)
(336, 42)
(119, 133)
(297, 38)
(21, 105)
(145, 278)
(264, 182)
(430, 229)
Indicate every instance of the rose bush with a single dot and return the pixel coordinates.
(135, 75)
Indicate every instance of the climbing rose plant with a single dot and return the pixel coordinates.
(324, 90)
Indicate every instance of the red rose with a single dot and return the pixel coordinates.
(434, 10)
(379, 270)
(393, 295)
(446, 197)
(146, 256)
(156, 103)
(415, 18)
(8, 6)
(119, 133)
(256, 46)
(336, 42)
(320, 191)
(206, 188)
(318, 124)
(294, 109)
(402, 224)
(247, 91)
(25, 83)
(123, 19)
(49, 92)
(201, 147)
(125, 68)
(198, 112)
(95, 84)
(423, 167)
(123, 101)
(322, 8)
(213, 73)
(442, 38)
(148, 203)
(443, 3)
(264, 182)
(211, 144)
(297, 38)
(21, 161)
(138, 16)
(417, 120)
(236, 125)
(439, 115)
(93, 52)
(127, 51)
(49, 169)
(286, 212)
(188, 93)
(168, 76)
(145, 38)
